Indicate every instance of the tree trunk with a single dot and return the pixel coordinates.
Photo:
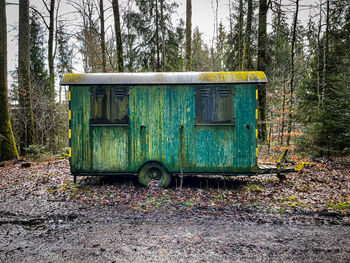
(240, 33)
(51, 59)
(157, 38)
(8, 148)
(290, 115)
(215, 34)
(102, 35)
(319, 63)
(50, 56)
(326, 53)
(118, 35)
(188, 35)
(283, 112)
(263, 7)
(24, 85)
(247, 61)
(163, 34)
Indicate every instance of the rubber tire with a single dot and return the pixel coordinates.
(165, 175)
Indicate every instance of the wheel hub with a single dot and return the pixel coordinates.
(154, 174)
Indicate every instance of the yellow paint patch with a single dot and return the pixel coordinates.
(236, 76)
(69, 114)
(256, 133)
(256, 114)
(72, 78)
(70, 134)
(70, 151)
(257, 94)
(69, 96)
(256, 152)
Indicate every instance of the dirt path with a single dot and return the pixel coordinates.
(41, 223)
(106, 234)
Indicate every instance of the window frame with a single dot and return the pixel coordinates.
(213, 93)
(110, 94)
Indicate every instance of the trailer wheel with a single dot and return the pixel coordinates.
(154, 171)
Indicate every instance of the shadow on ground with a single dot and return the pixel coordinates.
(189, 181)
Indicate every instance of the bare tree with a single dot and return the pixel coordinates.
(88, 35)
(8, 148)
(290, 115)
(24, 85)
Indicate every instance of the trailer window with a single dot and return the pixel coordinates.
(214, 105)
(110, 105)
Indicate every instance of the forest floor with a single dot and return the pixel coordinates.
(44, 217)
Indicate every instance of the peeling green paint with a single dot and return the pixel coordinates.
(81, 159)
(162, 128)
(110, 148)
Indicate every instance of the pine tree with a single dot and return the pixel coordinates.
(64, 51)
(130, 37)
(64, 54)
(174, 44)
(152, 24)
(40, 81)
(220, 47)
(327, 129)
(200, 52)
(234, 46)
(38, 71)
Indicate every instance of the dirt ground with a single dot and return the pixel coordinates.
(44, 217)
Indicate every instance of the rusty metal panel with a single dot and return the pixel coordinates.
(162, 126)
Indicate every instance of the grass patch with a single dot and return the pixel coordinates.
(339, 206)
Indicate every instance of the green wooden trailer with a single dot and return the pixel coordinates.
(158, 124)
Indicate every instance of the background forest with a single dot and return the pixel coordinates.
(304, 104)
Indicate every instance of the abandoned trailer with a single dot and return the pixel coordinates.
(158, 124)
